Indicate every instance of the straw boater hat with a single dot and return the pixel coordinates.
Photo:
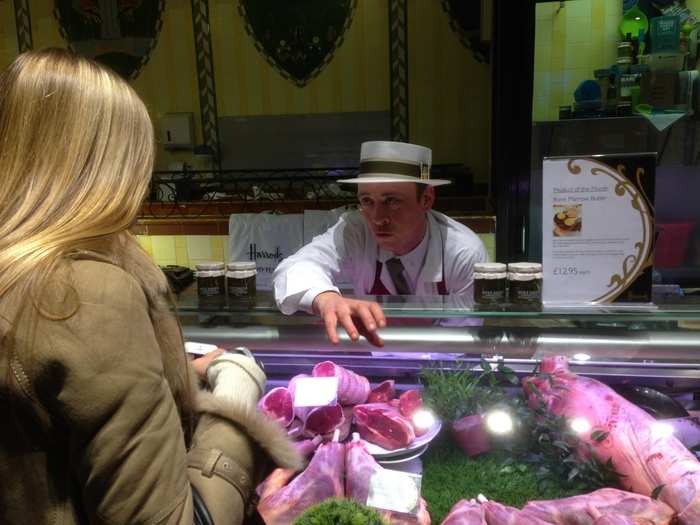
(382, 161)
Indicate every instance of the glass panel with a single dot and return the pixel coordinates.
(437, 307)
(603, 85)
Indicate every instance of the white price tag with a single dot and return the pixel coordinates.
(394, 491)
(199, 348)
(316, 391)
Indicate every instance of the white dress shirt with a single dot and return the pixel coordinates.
(349, 251)
(412, 261)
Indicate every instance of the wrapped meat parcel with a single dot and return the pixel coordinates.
(352, 388)
(641, 450)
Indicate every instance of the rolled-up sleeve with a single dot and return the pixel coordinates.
(313, 269)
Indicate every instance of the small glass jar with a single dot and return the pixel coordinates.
(240, 279)
(525, 285)
(489, 285)
(210, 279)
(624, 53)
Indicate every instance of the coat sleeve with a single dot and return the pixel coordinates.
(316, 267)
(100, 376)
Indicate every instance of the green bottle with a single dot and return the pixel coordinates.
(633, 22)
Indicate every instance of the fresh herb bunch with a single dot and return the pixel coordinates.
(340, 512)
(548, 442)
(454, 393)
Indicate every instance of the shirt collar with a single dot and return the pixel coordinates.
(432, 270)
(414, 260)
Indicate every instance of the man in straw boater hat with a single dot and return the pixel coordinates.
(394, 245)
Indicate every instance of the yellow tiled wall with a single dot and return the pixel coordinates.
(450, 116)
(188, 250)
(185, 250)
(572, 39)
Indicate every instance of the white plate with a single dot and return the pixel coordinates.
(403, 459)
(380, 452)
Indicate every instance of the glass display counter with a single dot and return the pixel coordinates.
(654, 344)
(651, 352)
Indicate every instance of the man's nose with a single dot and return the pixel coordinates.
(380, 214)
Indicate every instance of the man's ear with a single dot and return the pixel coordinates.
(428, 198)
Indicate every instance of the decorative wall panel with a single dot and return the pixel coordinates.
(24, 26)
(299, 38)
(398, 66)
(121, 34)
(205, 74)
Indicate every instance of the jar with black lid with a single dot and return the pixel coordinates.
(525, 285)
(210, 280)
(489, 285)
(240, 279)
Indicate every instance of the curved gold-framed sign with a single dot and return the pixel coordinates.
(598, 229)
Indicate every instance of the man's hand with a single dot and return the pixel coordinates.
(357, 317)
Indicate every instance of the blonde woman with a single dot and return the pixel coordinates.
(101, 422)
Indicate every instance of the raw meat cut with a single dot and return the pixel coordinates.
(343, 428)
(615, 519)
(299, 412)
(282, 502)
(647, 456)
(322, 420)
(409, 402)
(497, 514)
(466, 512)
(602, 507)
(295, 428)
(586, 508)
(318, 420)
(277, 404)
(360, 466)
(306, 447)
(383, 392)
(352, 388)
(383, 425)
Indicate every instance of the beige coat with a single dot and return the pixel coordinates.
(91, 431)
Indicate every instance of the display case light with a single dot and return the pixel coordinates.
(499, 422)
(580, 425)
(423, 419)
(661, 430)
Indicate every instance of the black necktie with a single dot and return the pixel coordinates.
(396, 271)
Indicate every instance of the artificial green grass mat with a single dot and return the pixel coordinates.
(450, 475)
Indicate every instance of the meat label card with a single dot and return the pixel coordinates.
(395, 491)
(316, 391)
(598, 229)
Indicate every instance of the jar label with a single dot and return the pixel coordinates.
(491, 296)
(238, 291)
(209, 290)
(529, 295)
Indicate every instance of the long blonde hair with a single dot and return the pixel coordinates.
(76, 156)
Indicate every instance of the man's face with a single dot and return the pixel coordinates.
(395, 213)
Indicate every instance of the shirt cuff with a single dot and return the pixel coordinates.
(307, 300)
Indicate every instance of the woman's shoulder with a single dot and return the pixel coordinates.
(103, 282)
